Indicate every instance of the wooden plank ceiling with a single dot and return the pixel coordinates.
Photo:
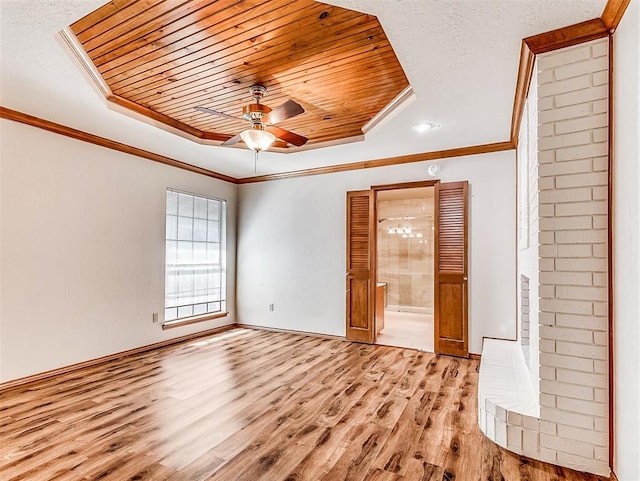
(162, 58)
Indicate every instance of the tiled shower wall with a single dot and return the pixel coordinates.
(406, 263)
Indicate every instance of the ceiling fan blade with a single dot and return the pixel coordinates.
(215, 112)
(287, 136)
(233, 140)
(283, 112)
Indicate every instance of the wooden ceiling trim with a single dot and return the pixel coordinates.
(388, 161)
(60, 129)
(613, 12)
(567, 36)
(159, 117)
(525, 71)
(554, 40)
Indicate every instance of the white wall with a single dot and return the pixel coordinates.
(82, 249)
(291, 251)
(627, 244)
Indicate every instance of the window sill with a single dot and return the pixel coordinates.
(192, 320)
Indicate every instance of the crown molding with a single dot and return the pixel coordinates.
(149, 116)
(542, 43)
(384, 162)
(567, 36)
(84, 62)
(613, 12)
(16, 116)
(60, 129)
(525, 71)
(406, 95)
(554, 40)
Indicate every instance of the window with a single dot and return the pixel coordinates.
(195, 281)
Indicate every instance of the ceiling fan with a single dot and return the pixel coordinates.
(262, 132)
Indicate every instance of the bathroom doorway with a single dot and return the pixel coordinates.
(405, 249)
(366, 292)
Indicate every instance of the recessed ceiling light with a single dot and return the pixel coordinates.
(424, 126)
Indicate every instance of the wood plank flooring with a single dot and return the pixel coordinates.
(249, 405)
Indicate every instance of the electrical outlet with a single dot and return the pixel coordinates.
(271, 307)
(154, 317)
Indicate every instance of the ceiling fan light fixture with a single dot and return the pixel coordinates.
(257, 139)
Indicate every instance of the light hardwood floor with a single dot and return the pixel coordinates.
(248, 405)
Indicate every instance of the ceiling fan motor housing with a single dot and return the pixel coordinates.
(255, 112)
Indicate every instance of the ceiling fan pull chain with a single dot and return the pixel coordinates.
(255, 162)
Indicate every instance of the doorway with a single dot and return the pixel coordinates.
(405, 267)
(450, 300)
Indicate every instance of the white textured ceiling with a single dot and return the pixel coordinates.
(460, 56)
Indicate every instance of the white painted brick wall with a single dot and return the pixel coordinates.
(573, 324)
(568, 227)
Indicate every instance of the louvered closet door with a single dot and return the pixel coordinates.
(451, 308)
(359, 283)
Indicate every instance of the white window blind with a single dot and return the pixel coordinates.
(195, 281)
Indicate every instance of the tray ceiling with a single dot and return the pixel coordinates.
(460, 57)
(162, 58)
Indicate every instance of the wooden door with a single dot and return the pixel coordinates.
(451, 259)
(360, 296)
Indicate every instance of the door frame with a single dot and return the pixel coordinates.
(373, 233)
